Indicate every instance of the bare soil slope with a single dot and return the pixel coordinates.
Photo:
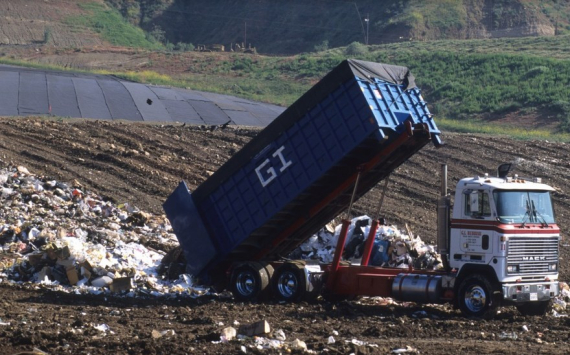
(26, 23)
(142, 164)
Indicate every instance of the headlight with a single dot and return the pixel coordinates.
(512, 268)
(552, 267)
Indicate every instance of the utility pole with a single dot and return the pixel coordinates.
(245, 34)
(367, 20)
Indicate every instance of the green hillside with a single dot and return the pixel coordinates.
(296, 26)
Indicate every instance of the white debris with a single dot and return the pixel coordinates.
(298, 344)
(93, 241)
(228, 334)
(102, 281)
(265, 343)
(101, 327)
(508, 336)
(356, 342)
(391, 247)
(407, 349)
(280, 335)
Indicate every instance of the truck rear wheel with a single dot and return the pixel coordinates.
(249, 282)
(533, 308)
(289, 283)
(475, 297)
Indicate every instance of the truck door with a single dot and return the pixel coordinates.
(473, 235)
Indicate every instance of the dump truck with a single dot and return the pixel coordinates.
(340, 139)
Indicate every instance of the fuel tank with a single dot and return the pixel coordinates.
(417, 288)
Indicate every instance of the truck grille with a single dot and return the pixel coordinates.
(532, 255)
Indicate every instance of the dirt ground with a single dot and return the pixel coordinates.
(142, 164)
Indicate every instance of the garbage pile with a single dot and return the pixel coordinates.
(392, 247)
(57, 235)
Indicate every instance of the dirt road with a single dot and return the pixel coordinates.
(141, 164)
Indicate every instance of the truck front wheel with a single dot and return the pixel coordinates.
(249, 282)
(475, 296)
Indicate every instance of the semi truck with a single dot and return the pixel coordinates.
(499, 241)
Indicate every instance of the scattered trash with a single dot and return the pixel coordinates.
(102, 327)
(64, 237)
(392, 247)
(157, 335)
(356, 342)
(298, 345)
(264, 343)
(228, 334)
(524, 328)
(407, 349)
(331, 340)
(508, 336)
(257, 328)
(280, 335)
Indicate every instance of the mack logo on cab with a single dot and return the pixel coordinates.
(534, 258)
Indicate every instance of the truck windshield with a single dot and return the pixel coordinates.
(524, 206)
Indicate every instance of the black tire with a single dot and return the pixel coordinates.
(475, 297)
(533, 308)
(289, 283)
(266, 292)
(249, 282)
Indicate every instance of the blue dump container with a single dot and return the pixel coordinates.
(299, 172)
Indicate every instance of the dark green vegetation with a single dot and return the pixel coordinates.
(295, 26)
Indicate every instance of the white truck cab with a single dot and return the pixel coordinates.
(503, 243)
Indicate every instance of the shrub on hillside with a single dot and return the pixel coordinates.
(323, 46)
(356, 49)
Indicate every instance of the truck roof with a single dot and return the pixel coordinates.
(509, 183)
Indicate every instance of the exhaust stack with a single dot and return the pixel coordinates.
(443, 210)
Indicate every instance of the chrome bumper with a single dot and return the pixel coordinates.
(529, 292)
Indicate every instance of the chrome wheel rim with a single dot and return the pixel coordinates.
(245, 283)
(287, 284)
(475, 299)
